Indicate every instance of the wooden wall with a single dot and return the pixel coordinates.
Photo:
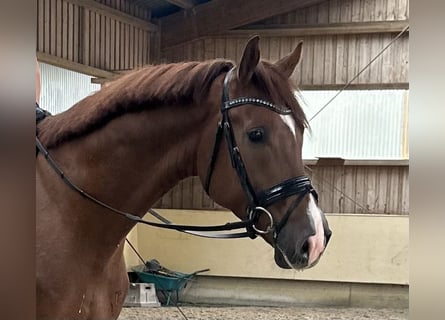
(373, 189)
(82, 31)
(329, 60)
(334, 11)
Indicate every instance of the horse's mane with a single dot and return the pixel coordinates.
(156, 86)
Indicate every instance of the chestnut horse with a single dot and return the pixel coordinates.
(142, 133)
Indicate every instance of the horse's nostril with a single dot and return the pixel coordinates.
(305, 247)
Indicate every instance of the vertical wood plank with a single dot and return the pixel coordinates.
(122, 45)
(137, 48)
(329, 60)
(102, 42)
(92, 32)
(312, 15)
(197, 192)
(59, 34)
(86, 36)
(346, 11)
(391, 10)
(65, 29)
(407, 10)
(117, 47)
(319, 59)
(307, 64)
(393, 183)
(187, 193)
(368, 10)
(375, 70)
(364, 58)
(402, 59)
(404, 209)
(286, 46)
(76, 33)
(53, 26)
(334, 12)
(47, 26)
(360, 193)
(356, 8)
(127, 46)
(131, 63)
(336, 172)
(382, 190)
(220, 48)
(349, 189)
(274, 51)
(353, 57)
(108, 37)
(404, 56)
(177, 196)
(150, 50)
(341, 60)
(40, 25)
(230, 49)
(166, 200)
(209, 49)
(380, 10)
(97, 55)
(112, 44)
(70, 31)
(387, 61)
(141, 49)
(146, 52)
(323, 13)
(299, 17)
(371, 189)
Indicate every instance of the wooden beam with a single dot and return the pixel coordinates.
(74, 66)
(115, 14)
(221, 15)
(323, 29)
(357, 86)
(184, 4)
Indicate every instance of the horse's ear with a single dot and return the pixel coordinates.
(287, 64)
(249, 60)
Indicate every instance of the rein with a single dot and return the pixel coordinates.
(257, 202)
(194, 230)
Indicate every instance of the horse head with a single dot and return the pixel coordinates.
(256, 167)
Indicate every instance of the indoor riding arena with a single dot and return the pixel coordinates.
(348, 61)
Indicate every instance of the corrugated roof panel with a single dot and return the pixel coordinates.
(358, 124)
(61, 88)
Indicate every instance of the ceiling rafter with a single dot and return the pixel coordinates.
(114, 13)
(221, 15)
(184, 4)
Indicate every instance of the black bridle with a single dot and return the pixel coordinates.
(257, 202)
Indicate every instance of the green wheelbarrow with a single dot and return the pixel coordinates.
(166, 281)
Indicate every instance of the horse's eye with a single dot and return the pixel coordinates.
(256, 135)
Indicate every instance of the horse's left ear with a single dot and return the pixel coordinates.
(287, 64)
(249, 60)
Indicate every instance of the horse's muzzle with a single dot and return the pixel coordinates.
(302, 254)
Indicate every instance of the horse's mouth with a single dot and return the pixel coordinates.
(282, 260)
(300, 261)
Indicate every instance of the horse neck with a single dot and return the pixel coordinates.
(132, 161)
